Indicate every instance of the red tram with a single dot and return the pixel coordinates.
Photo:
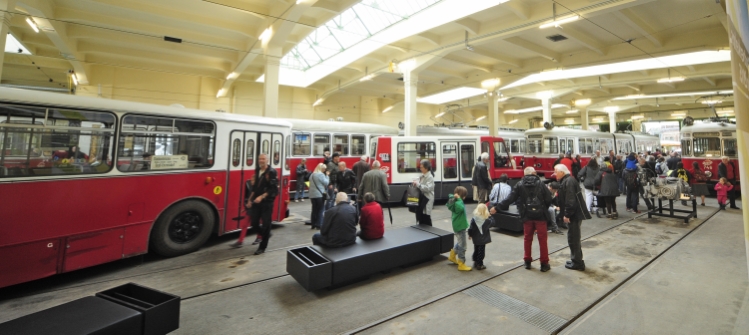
(705, 143)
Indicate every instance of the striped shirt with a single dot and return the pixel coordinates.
(500, 192)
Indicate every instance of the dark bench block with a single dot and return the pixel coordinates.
(447, 238)
(509, 219)
(160, 310)
(309, 268)
(89, 315)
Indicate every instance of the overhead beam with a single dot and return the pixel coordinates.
(500, 58)
(519, 8)
(470, 25)
(532, 47)
(433, 39)
(468, 63)
(709, 81)
(583, 38)
(635, 22)
(395, 47)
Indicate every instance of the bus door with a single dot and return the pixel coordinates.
(458, 159)
(242, 164)
(275, 161)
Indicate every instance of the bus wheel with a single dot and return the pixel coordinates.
(182, 229)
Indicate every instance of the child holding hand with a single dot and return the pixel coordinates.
(460, 226)
(723, 187)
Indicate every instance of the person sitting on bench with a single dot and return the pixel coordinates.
(339, 224)
(372, 220)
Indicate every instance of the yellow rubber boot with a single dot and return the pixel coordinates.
(463, 267)
(453, 256)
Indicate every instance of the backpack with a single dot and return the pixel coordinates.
(534, 208)
(630, 178)
(682, 174)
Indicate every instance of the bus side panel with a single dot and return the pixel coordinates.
(29, 261)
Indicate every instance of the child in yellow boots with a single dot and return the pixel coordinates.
(460, 228)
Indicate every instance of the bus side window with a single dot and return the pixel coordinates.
(340, 144)
(449, 161)
(322, 144)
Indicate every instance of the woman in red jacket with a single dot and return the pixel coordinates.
(372, 221)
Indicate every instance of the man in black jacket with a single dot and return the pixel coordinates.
(726, 169)
(262, 198)
(339, 224)
(671, 162)
(360, 168)
(572, 215)
(483, 182)
(531, 190)
(346, 179)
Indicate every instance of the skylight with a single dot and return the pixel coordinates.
(354, 25)
(13, 46)
(451, 95)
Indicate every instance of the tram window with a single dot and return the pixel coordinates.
(250, 152)
(534, 146)
(467, 160)
(522, 146)
(500, 155)
(236, 151)
(686, 147)
(706, 147)
(729, 148)
(581, 146)
(302, 144)
(570, 145)
(450, 161)
(358, 145)
(287, 153)
(276, 152)
(606, 146)
(514, 148)
(322, 144)
(70, 142)
(485, 147)
(373, 148)
(589, 146)
(340, 144)
(410, 155)
(550, 145)
(562, 144)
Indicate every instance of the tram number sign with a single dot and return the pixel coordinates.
(385, 157)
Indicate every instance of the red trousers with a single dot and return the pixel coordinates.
(244, 224)
(540, 228)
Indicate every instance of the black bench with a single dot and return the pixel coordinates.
(508, 219)
(317, 267)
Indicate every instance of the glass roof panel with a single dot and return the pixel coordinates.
(356, 24)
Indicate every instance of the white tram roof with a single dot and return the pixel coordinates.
(341, 127)
(14, 95)
(503, 132)
(709, 127)
(556, 131)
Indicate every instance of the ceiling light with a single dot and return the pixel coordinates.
(221, 93)
(513, 121)
(671, 95)
(232, 76)
(75, 78)
(481, 118)
(572, 111)
(557, 23)
(451, 95)
(387, 109)
(490, 83)
(686, 59)
(440, 115)
(318, 102)
(12, 45)
(533, 109)
(32, 24)
(367, 77)
(611, 109)
(711, 101)
(670, 80)
(266, 33)
(582, 102)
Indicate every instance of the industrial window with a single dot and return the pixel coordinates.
(410, 155)
(340, 144)
(358, 145)
(706, 147)
(322, 144)
(54, 141)
(302, 145)
(160, 143)
(250, 152)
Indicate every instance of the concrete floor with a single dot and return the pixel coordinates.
(230, 291)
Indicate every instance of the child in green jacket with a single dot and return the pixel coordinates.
(460, 228)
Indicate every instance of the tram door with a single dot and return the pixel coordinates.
(242, 164)
(458, 160)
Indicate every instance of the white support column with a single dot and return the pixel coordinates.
(546, 104)
(493, 115)
(612, 122)
(6, 9)
(410, 79)
(270, 86)
(584, 122)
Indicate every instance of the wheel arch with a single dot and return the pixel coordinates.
(210, 204)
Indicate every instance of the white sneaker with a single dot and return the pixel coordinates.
(302, 200)
(296, 200)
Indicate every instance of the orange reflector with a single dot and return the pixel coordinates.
(209, 180)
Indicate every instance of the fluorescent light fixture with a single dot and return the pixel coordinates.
(367, 77)
(569, 121)
(266, 33)
(513, 121)
(533, 109)
(610, 109)
(481, 118)
(686, 59)
(299, 1)
(582, 102)
(672, 95)
(545, 94)
(13, 46)
(440, 115)
(711, 101)
(572, 111)
(387, 109)
(670, 80)
(318, 102)
(32, 24)
(490, 83)
(232, 75)
(75, 78)
(557, 23)
(221, 93)
(451, 95)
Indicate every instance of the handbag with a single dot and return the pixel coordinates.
(412, 196)
(582, 206)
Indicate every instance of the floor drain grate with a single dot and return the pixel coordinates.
(530, 314)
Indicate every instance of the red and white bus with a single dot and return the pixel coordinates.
(452, 158)
(706, 143)
(514, 138)
(144, 178)
(311, 138)
(545, 145)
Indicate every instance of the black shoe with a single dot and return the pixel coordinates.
(571, 266)
(545, 267)
(236, 245)
(703, 204)
(558, 232)
(564, 226)
(308, 223)
(257, 241)
(479, 267)
(684, 203)
(259, 251)
(734, 207)
(312, 228)
(527, 265)
(722, 207)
